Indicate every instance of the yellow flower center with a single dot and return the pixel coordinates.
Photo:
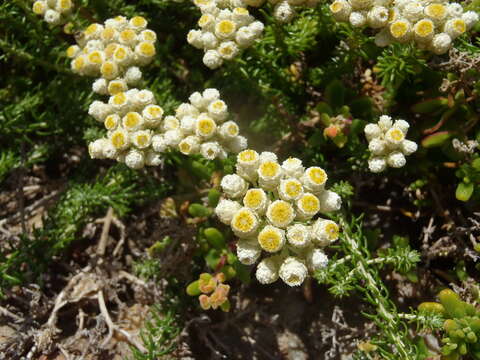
(91, 29)
(269, 169)
(233, 130)
(243, 221)
(127, 35)
(71, 51)
(248, 156)
(108, 68)
(336, 7)
(108, 33)
(79, 63)
(218, 105)
(119, 99)
(142, 140)
(317, 175)
(95, 57)
(398, 29)
(332, 231)
(204, 20)
(155, 111)
(147, 49)
(240, 11)
(293, 188)
(65, 4)
(184, 147)
(254, 198)
(459, 25)
(120, 53)
(115, 87)
(281, 212)
(38, 8)
(111, 122)
(132, 119)
(110, 49)
(270, 240)
(310, 203)
(226, 27)
(138, 21)
(292, 278)
(149, 35)
(396, 134)
(118, 140)
(206, 126)
(436, 11)
(226, 50)
(424, 27)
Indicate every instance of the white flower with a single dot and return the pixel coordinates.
(271, 239)
(170, 123)
(142, 139)
(293, 167)
(268, 156)
(234, 186)
(357, 19)
(402, 125)
(100, 86)
(290, 189)
(210, 94)
(325, 232)
(361, 4)
(385, 122)
(257, 200)
(267, 270)
(377, 164)
(229, 130)
(158, 143)
(308, 205)
(210, 150)
(292, 271)
(52, 17)
(186, 109)
(341, 10)
(269, 174)
(280, 213)
(377, 146)
(245, 37)
(396, 159)
(217, 109)
(441, 43)
(226, 209)
(298, 235)
(317, 259)
(470, 18)
(99, 110)
(194, 38)
(283, 12)
(408, 147)
(256, 27)
(173, 137)
(413, 11)
(135, 159)
(330, 201)
(212, 59)
(314, 179)
(187, 124)
(95, 148)
(248, 251)
(244, 223)
(372, 131)
(377, 17)
(455, 27)
(189, 145)
(237, 144)
(133, 75)
(401, 30)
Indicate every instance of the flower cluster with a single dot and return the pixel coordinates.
(284, 10)
(387, 143)
(112, 52)
(223, 31)
(201, 127)
(271, 207)
(53, 11)
(218, 291)
(131, 119)
(431, 24)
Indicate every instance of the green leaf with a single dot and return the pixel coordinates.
(335, 94)
(429, 106)
(193, 289)
(436, 139)
(464, 191)
(214, 238)
(213, 258)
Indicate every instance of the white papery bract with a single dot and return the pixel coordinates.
(113, 52)
(273, 208)
(387, 143)
(431, 24)
(133, 121)
(54, 12)
(200, 127)
(226, 27)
